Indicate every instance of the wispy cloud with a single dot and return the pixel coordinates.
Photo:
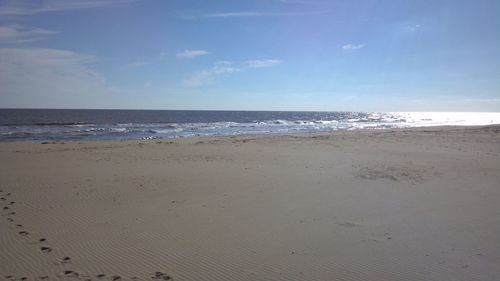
(223, 68)
(248, 14)
(20, 34)
(42, 57)
(27, 7)
(206, 76)
(483, 100)
(189, 54)
(350, 47)
(60, 76)
(412, 27)
(297, 1)
(137, 64)
(262, 63)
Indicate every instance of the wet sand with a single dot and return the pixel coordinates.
(407, 204)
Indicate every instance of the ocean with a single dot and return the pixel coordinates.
(79, 124)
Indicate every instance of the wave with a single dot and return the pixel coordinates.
(119, 131)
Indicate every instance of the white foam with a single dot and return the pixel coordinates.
(169, 130)
(420, 119)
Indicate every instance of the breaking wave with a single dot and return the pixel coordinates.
(133, 130)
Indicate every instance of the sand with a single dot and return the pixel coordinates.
(407, 204)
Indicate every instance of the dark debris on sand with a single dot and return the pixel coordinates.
(161, 276)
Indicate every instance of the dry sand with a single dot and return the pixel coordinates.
(409, 204)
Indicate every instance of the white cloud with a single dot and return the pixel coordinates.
(20, 34)
(28, 7)
(350, 47)
(189, 54)
(262, 63)
(51, 77)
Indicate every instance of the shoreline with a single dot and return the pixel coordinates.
(371, 204)
(259, 135)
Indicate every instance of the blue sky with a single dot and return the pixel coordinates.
(394, 55)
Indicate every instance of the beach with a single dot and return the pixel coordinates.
(394, 204)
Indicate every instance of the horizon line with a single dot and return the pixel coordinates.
(241, 110)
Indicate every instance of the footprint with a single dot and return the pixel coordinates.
(43, 277)
(3, 198)
(66, 259)
(45, 249)
(71, 273)
(42, 240)
(116, 277)
(102, 275)
(10, 219)
(6, 208)
(347, 224)
(12, 213)
(161, 276)
(23, 233)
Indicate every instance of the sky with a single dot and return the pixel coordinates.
(311, 55)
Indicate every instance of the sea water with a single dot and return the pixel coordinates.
(76, 124)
